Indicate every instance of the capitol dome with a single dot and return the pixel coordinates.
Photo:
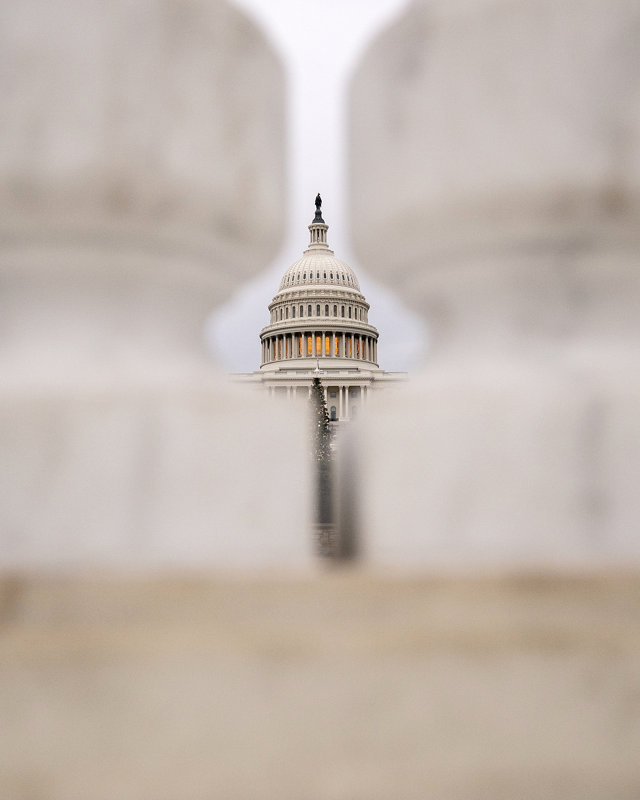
(319, 267)
(319, 328)
(319, 312)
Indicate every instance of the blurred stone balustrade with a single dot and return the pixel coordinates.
(495, 152)
(141, 182)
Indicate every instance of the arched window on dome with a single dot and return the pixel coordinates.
(304, 277)
(349, 312)
(342, 311)
(325, 276)
(331, 275)
(293, 312)
(318, 310)
(302, 311)
(318, 275)
(280, 313)
(326, 311)
(286, 313)
(309, 311)
(335, 311)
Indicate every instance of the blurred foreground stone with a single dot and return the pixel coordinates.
(346, 687)
(504, 207)
(141, 166)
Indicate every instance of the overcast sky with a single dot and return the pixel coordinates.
(320, 44)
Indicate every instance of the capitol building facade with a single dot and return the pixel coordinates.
(319, 327)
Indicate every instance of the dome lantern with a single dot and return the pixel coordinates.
(318, 228)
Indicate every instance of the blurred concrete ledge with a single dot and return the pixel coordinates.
(150, 472)
(347, 685)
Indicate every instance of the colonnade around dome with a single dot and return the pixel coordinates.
(302, 345)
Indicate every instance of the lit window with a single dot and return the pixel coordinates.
(309, 345)
(319, 345)
(327, 346)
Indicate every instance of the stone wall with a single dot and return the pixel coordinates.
(348, 688)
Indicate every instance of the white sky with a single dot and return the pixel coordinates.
(320, 43)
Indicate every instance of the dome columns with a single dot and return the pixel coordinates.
(318, 343)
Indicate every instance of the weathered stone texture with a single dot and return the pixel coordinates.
(345, 687)
(141, 180)
(141, 169)
(496, 169)
(495, 152)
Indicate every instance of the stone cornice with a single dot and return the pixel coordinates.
(320, 325)
(320, 292)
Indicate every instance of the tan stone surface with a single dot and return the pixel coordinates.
(344, 686)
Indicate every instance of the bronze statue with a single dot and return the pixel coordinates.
(318, 201)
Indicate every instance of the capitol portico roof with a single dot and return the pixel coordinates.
(319, 267)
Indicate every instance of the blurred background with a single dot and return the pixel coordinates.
(166, 628)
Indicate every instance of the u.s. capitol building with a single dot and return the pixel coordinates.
(319, 327)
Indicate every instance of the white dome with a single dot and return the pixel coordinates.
(318, 313)
(319, 267)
